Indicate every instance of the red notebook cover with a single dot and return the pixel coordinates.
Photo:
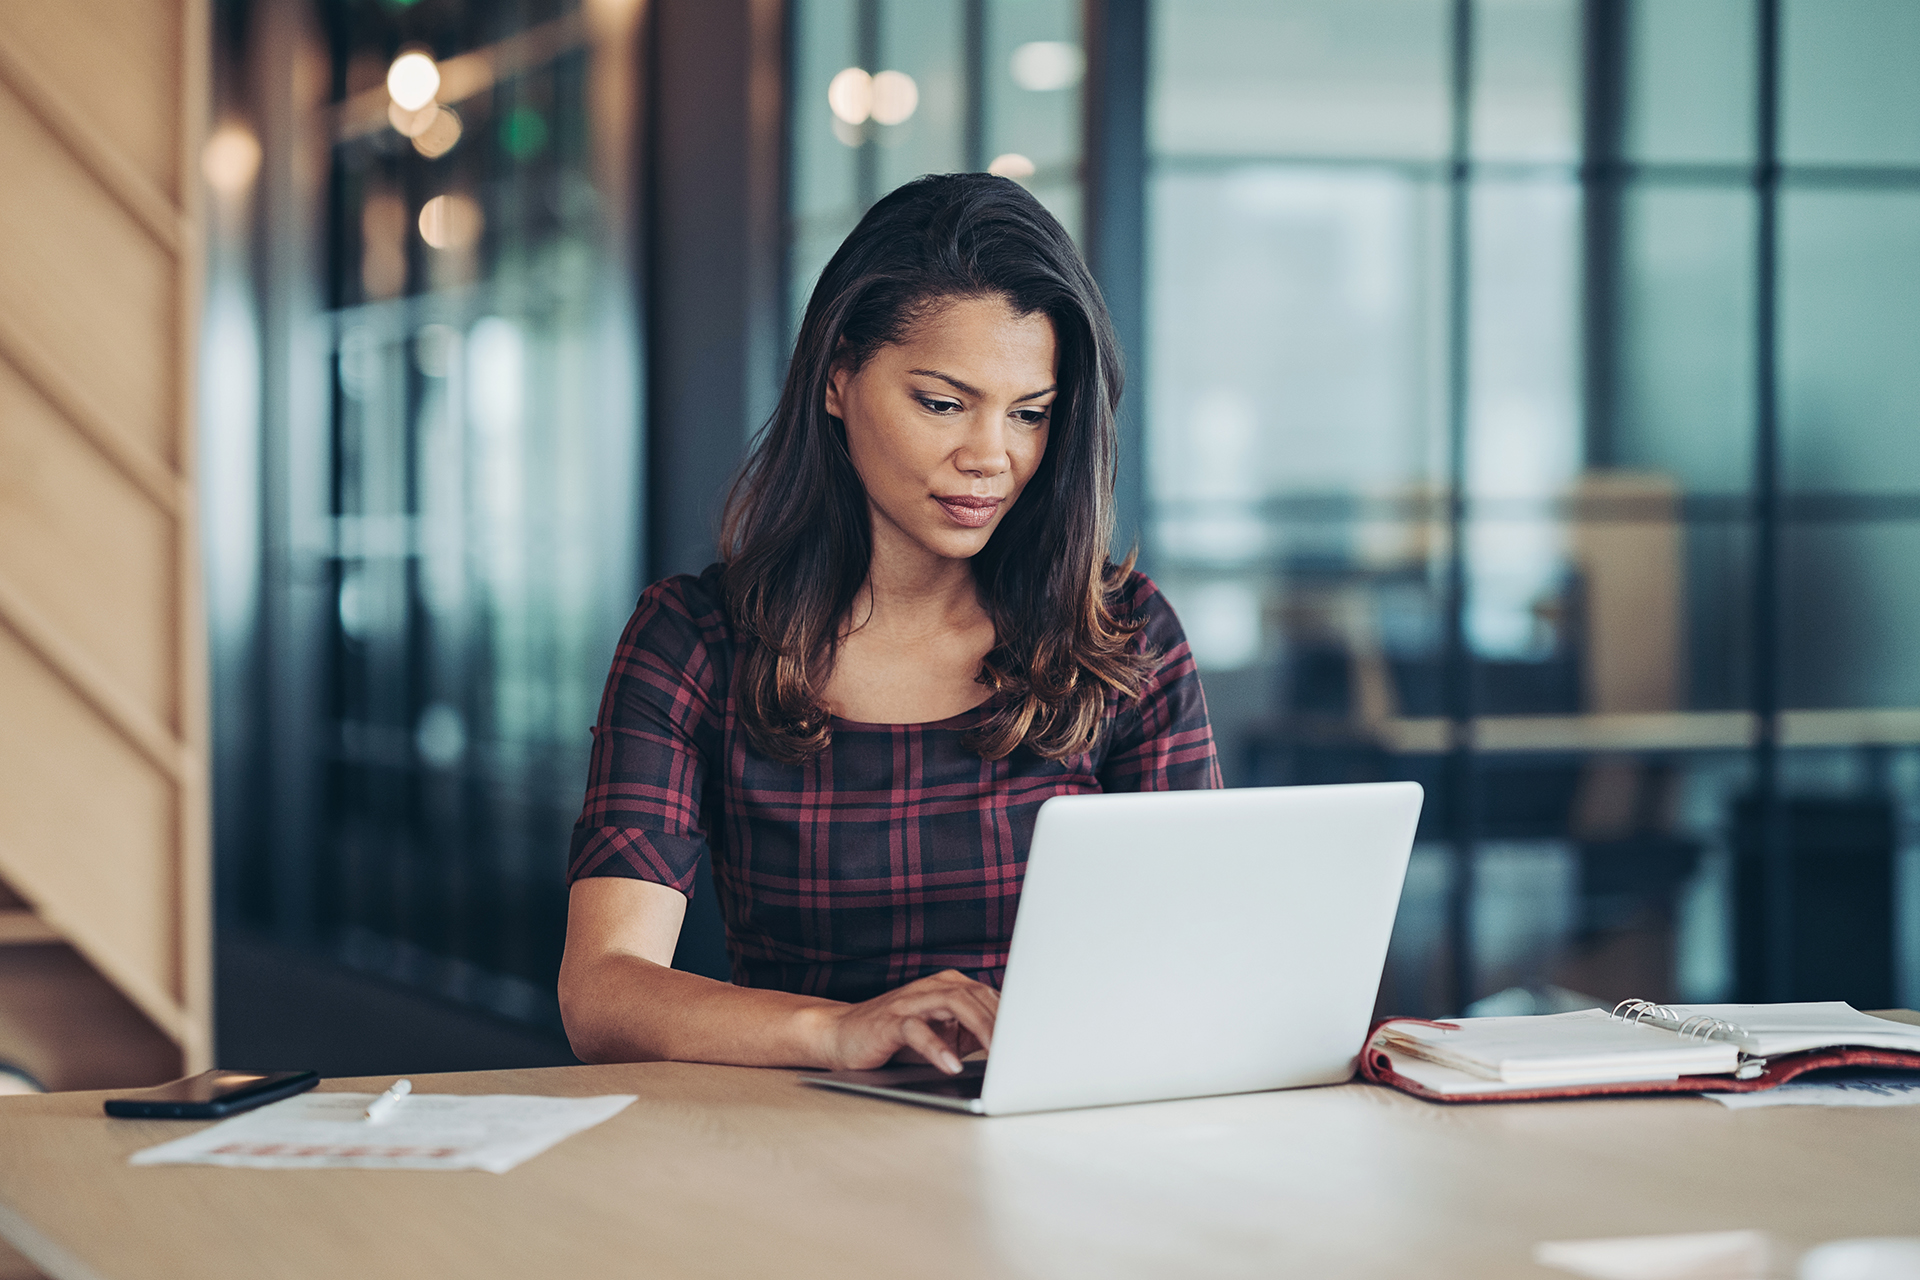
(1377, 1068)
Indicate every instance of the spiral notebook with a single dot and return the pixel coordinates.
(1637, 1047)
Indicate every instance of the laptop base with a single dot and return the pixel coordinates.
(926, 1086)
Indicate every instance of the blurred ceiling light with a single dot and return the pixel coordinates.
(440, 134)
(895, 96)
(1047, 64)
(452, 221)
(231, 158)
(1011, 165)
(850, 95)
(411, 124)
(412, 80)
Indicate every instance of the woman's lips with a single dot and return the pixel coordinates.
(971, 513)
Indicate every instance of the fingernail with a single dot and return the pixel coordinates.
(952, 1064)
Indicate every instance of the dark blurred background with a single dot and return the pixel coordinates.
(1523, 399)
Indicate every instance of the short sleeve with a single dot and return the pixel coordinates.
(1163, 741)
(658, 730)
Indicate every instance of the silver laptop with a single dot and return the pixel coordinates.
(1176, 944)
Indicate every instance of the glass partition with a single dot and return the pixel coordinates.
(462, 526)
(882, 91)
(1513, 429)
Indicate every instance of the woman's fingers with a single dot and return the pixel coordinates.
(988, 995)
(963, 1005)
(922, 1039)
(939, 1017)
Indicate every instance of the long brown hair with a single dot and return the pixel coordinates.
(796, 540)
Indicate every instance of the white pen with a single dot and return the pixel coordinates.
(381, 1107)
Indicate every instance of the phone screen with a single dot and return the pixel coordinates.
(209, 1085)
(211, 1094)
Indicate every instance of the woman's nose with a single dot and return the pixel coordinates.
(984, 451)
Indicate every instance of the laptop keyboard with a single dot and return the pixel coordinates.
(965, 1086)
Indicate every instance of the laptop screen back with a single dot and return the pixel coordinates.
(1178, 944)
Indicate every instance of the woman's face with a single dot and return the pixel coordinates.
(947, 426)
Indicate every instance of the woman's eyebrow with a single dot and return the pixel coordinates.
(947, 378)
(962, 387)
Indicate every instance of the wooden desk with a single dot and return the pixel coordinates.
(728, 1172)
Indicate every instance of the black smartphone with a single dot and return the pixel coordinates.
(212, 1094)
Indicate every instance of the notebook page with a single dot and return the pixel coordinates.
(1587, 1047)
(1775, 1029)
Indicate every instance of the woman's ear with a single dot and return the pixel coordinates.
(835, 377)
(838, 375)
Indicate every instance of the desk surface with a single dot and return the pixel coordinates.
(731, 1172)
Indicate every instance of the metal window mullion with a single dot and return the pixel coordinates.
(1457, 663)
(1776, 851)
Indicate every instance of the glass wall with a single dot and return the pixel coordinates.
(1531, 399)
(466, 511)
(882, 91)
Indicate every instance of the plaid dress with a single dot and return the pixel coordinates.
(893, 853)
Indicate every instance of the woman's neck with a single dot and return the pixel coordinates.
(911, 647)
(907, 593)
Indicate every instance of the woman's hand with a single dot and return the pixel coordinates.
(941, 1018)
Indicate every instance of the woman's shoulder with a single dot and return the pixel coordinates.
(680, 618)
(697, 597)
(1136, 598)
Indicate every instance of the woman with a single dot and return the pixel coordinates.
(914, 639)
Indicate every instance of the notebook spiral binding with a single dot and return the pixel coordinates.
(1698, 1027)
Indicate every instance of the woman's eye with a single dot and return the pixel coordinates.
(1033, 417)
(940, 406)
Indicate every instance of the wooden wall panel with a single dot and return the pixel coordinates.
(88, 279)
(101, 55)
(103, 829)
(86, 546)
(92, 829)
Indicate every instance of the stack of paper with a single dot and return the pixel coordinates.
(1550, 1051)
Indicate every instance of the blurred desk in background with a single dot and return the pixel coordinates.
(1608, 787)
(725, 1171)
(1655, 731)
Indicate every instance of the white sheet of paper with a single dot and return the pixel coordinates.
(1860, 1089)
(1708, 1255)
(426, 1131)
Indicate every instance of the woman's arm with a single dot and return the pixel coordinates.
(621, 1001)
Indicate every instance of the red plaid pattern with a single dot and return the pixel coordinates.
(892, 854)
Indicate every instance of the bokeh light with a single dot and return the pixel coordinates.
(411, 124)
(231, 158)
(452, 221)
(850, 95)
(523, 133)
(895, 96)
(442, 131)
(1011, 165)
(412, 80)
(1043, 65)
